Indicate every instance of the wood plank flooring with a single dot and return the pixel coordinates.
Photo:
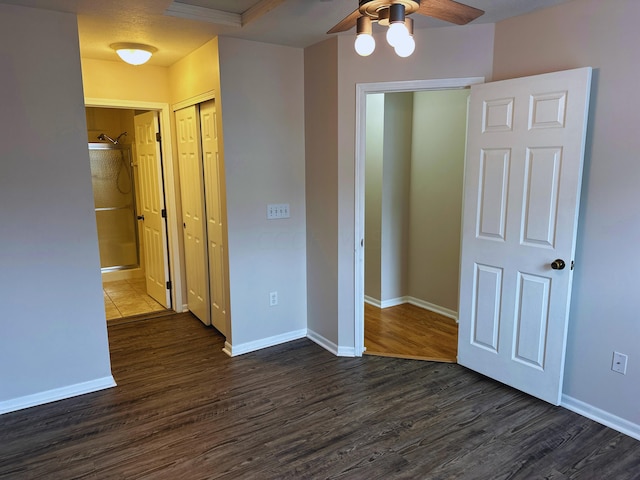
(184, 410)
(408, 331)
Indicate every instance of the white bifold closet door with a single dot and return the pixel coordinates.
(214, 204)
(203, 213)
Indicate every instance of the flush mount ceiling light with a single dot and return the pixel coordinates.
(394, 14)
(134, 53)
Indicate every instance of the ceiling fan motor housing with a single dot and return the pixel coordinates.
(377, 9)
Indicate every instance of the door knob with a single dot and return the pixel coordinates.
(558, 264)
(140, 217)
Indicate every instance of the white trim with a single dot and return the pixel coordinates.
(394, 302)
(362, 90)
(329, 345)
(203, 14)
(322, 341)
(347, 352)
(203, 97)
(372, 301)
(413, 301)
(56, 394)
(417, 85)
(446, 312)
(235, 350)
(169, 184)
(259, 9)
(598, 415)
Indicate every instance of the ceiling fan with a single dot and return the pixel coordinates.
(394, 14)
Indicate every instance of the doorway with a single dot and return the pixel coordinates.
(398, 286)
(124, 184)
(126, 290)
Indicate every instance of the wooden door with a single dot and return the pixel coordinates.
(525, 151)
(193, 215)
(151, 207)
(215, 215)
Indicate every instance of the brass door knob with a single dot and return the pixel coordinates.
(558, 264)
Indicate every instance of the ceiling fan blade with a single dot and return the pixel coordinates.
(346, 23)
(449, 11)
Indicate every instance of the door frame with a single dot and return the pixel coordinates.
(362, 90)
(169, 179)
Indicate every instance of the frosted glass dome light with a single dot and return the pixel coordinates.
(134, 53)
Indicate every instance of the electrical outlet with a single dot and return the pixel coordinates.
(273, 299)
(619, 363)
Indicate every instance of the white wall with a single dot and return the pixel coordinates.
(373, 196)
(387, 169)
(396, 168)
(421, 207)
(53, 336)
(604, 309)
(262, 97)
(321, 146)
(441, 53)
(437, 169)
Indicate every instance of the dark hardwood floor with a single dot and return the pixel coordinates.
(184, 410)
(408, 331)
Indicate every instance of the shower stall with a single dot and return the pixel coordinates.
(114, 200)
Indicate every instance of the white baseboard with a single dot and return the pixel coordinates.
(386, 303)
(372, 301)
(56, 394)
(413, 301)
(597, 415)
(322, 341)
(392, 302)
(433, 308)
(346, 352)
(241, 349)
(330, 346)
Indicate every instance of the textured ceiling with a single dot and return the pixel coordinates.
(297, 23)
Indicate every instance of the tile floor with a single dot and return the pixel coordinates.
(124, 298)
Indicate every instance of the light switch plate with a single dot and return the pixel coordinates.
(277, 210)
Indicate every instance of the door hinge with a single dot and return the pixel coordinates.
(158, 137)
(164, 213)
(169, 285)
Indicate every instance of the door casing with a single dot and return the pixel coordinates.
(362, 90)
(173, 231)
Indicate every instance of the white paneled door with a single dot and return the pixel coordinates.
(151, 207)
(193, 215)
(525, 152)
(215, 215)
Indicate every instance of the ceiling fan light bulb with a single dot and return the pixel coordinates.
(396, 34)
(406, 48)
(365, 44)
